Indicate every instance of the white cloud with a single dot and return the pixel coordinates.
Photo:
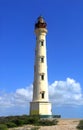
(21, 97)
(60, 92)
(66, 92)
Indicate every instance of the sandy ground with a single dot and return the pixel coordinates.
(63, 124)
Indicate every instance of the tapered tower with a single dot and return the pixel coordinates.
(40, 104)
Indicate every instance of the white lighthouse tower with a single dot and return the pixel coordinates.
(40, 104)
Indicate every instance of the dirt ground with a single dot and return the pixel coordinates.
(63, 124)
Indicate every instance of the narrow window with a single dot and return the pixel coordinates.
(42, 43)
(42, 59)
(43, 95)
(42, 77)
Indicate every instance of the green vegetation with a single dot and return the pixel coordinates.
(3, 127)
(15, 121)
(80, 125)
(10, 124)
(46, 122)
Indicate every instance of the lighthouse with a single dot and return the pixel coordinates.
(40, 104)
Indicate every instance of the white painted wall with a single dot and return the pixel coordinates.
(40, 68)
(39, 105)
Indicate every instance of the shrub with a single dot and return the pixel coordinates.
(11, 124)
(18, 122)
(14, 121)
(47, 122)
(33, 120)
(80, 125)
(3, 127)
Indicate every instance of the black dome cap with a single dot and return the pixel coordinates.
(40, 23)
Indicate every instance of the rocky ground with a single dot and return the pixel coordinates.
(63, 124)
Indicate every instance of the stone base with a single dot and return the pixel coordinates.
(40, 108)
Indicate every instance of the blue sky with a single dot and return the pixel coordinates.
(64, 51)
